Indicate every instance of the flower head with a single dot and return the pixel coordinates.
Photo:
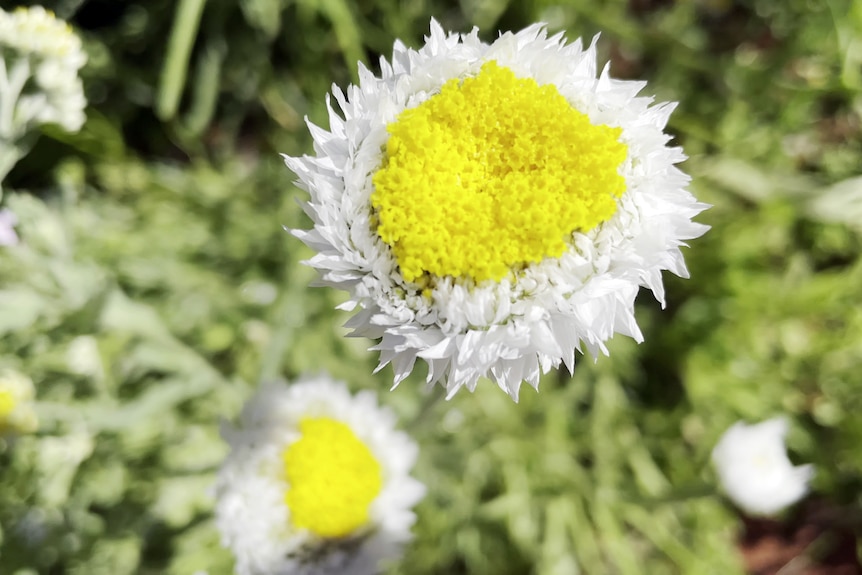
(494, 207)
(40, 57)
(754, 470)
(317, 481)
(16, 403)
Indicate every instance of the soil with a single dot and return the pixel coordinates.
(818, 540)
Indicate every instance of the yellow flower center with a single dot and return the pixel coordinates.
(492, 173)
(333, 478)
(7, 405)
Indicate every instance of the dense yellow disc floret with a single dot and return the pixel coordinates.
(493, 172)
(333, 477)
(7, 405)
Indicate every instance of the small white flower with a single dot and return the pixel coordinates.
(83, 357)
(317, 482)
(16, 403)
(8, 221)
(752, 465)
(494, 207)
(40, 57)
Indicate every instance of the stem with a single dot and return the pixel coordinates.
(183, 33)
(11, 85)
(9, 156)
(7, 102)
(10, 153)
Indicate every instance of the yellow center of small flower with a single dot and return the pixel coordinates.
(492, 173)
(7, 405)
(333, 478)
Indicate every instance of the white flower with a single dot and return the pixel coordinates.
(83, 357)
(754, 470)
(317, 481)
(504, 222)
(16, 403)
(8, 221)
(40, 57)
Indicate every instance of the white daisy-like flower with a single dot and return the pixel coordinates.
(16, 403)
(40, 57)
(316, 482)
(492, 208)
(754, 470)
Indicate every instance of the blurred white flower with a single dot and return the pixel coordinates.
(493, 208)
(8, 221)
(752, 465)
(258, 292)
(317, 482)
(16, 403)
(40, 57)
(83, 357)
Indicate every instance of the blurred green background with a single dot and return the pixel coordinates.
(155, 287)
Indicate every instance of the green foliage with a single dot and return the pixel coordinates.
(154, 288)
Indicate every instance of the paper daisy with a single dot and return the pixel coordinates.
(492, 208)
(40, 57)
(754, 470)
(316, 482)
(16, 403)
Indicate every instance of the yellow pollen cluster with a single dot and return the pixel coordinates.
(492, 173)
(7, 405)
(333, 478)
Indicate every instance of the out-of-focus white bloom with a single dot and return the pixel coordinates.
(752, 465)
(83, 357)
(317, 482)
(16, 403)
(8, 221)
(494, 207)
(40, 57)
